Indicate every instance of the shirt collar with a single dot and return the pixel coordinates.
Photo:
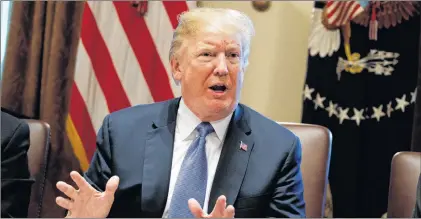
(187, 122)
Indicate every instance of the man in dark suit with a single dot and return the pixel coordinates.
(201, 155)
(15, 179)
(417, 209)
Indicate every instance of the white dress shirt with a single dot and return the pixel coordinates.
(185, 133)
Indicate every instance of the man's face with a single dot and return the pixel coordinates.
(210, 69)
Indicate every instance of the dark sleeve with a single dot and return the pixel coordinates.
(99, 171)
(417, 210)
(16, 182)
(288, 198)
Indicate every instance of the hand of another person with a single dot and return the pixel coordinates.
(86, 202)
(219, 211)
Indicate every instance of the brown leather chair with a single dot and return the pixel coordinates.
(316, 144)
(405, 171)
(38, 156)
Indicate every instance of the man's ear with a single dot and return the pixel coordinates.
(176, 71)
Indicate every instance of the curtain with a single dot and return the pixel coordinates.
(37, 76)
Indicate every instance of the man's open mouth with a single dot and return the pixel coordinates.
(218, 88)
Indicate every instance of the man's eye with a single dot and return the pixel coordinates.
(234, 55)
(206, 54)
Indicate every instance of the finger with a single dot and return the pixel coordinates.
(195, 208)
(112, 185)
(229, 212)
(67, 189)
(219, 208)
(64, 203)
(80, 181)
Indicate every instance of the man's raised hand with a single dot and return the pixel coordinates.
(86, 202)
(219, 211)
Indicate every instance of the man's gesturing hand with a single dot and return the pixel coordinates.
(219, 211)
(86, 202)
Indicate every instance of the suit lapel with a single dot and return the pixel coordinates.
(158, 160)
(233, 162)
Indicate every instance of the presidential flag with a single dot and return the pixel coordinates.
(416, 132)
(363, 89)
(122, 61)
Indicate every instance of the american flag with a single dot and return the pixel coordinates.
(338, 13)
(243, 146)
(122, 60)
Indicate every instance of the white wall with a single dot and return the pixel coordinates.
(275, 76)
(5, 9)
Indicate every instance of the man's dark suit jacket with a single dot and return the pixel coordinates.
(15, 178)
(136, 144)
(417, 209)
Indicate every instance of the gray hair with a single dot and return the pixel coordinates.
(225, 20)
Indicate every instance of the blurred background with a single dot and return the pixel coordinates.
(349, 66)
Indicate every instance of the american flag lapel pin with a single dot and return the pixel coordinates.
(243, 146)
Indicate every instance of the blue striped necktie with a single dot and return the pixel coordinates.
(192, 179)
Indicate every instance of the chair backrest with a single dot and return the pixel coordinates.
(38, 157)
(316, 144)
(405, 171)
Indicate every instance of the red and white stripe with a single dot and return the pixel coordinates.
(122, 61)
(340, 12)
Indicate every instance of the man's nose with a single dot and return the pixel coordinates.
(221, 65)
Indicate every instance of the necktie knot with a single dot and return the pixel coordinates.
(204, 129)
